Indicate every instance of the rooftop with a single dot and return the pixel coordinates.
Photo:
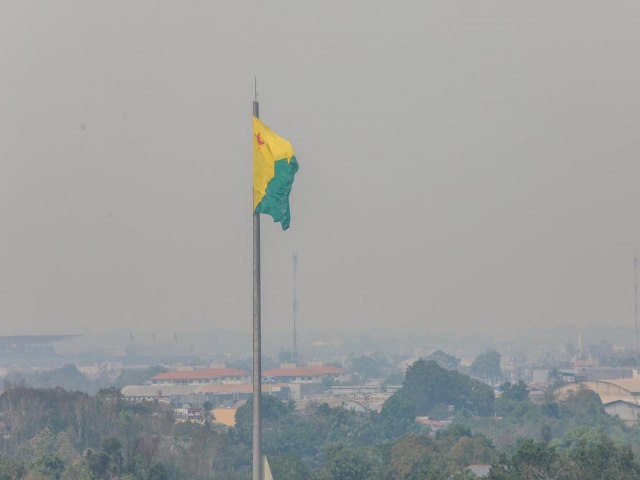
(312, 371)
(205, 374)
(174, 390)
(632, 385)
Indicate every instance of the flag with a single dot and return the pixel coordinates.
(274, 166)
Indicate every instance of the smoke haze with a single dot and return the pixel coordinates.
(464, 166)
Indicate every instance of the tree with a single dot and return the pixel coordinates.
(288, 467)
(417, 457)
(50, 466)
(444, 360)
(518, 392)
(584, 454)
(532, 460)
(158, 472)
(468, 450)
(10, 469)
(596, 456)
(286, 356)
(272, 410)
(394, 379)
(113, 448)
(65, 442)
(132, 376)
(348, 464)
(369, 366)
(428, 388)
(486, 366)
(77, 470)
(97, 463)
(398, 416)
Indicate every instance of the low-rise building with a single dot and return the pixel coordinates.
(619, 397)
(303, 381)
(221, 384)
(628, 412)
(291, 373)
(627, 389)
(198, 394)
(224, 376)
(607, 373)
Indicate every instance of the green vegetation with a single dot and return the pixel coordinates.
(62, 435)
(366, 367)
(429, 390)
(444, 360)
(70, 378)
(486, 367)
(582, 455)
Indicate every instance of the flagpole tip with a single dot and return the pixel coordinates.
(255, 88)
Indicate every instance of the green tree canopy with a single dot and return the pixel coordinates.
(486, 366)
(429, 389)
(369, 366)
(444, 360)
(517, 391)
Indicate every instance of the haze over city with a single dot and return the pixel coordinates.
(464, 166)
(457, 295)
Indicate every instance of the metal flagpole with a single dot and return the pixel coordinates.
(635, 272)
(294, 355)
(257, 347)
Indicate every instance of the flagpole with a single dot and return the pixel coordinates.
(257, 346)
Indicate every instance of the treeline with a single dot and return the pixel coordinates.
(70, 378)
(486, 367)
(62, 435)
(57, 434)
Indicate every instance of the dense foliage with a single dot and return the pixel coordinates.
(70, 378)
(62, 435)
(429, 390)
(444, 360)
(486, 367)
(582, 455)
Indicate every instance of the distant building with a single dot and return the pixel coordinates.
(619, 397)
(627, 389)
(31, 345)
(355, 403)
(222, 384)
(628, 412)
(540, 374)
(291, 373)
(198, 394)
(304, 381)
(607, 373)
(218, 376)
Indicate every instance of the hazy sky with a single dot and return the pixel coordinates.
(463, 164)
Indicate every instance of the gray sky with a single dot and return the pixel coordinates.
(463, 164)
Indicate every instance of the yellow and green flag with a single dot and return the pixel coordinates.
(274, 166)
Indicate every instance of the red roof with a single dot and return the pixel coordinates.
(303, 372)
(207, 374)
